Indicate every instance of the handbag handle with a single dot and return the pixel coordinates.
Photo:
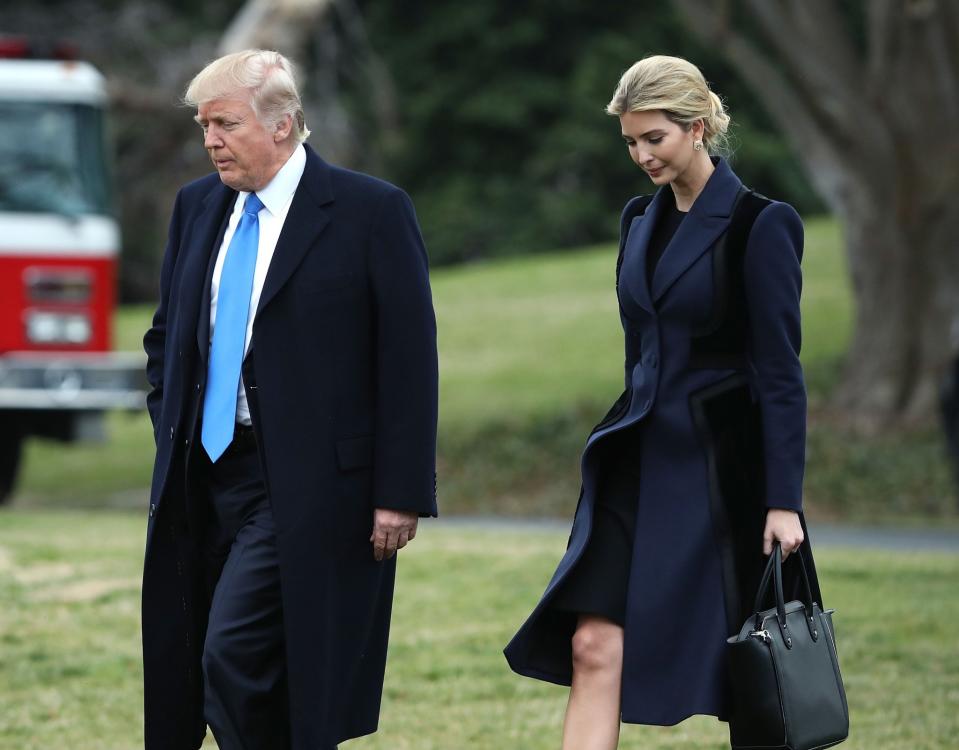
(774, 570)
(805, 580)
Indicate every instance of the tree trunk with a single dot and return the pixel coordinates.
(906, 292)
(876, 133)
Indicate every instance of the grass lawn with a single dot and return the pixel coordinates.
(531, 355)
(529, 335)
(70, 662)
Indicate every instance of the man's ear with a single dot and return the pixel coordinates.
(283, 129)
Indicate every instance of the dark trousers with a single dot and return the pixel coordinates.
(244, 661)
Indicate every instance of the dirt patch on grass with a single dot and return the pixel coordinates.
(85, 591)
(45, 572)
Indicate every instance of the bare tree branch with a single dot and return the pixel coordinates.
(816, 53)
(943, 41)
(372, 67)
(882, 19)
(813, 35)
(786, 103)
(274, 24)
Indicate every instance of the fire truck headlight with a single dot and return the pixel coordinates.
(58, 328)
(76, 329)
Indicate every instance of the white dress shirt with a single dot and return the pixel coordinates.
(276, 198)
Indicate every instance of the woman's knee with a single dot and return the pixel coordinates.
(597, 645)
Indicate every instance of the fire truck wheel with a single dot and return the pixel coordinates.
(11, 443)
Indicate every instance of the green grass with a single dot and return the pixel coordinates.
(525, 337)
(531, 336)
(70, 672)
(531, 355)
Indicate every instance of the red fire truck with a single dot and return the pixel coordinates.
(59, 244)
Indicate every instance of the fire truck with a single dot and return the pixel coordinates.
(59, 246)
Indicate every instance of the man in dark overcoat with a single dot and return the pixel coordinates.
(293, 366)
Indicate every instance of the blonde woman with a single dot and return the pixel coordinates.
(697, 469)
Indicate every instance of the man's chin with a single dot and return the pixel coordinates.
(232, 180)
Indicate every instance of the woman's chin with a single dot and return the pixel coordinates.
(659, 176)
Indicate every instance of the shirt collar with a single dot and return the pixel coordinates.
(280, 189)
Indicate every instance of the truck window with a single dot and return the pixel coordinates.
(52, 159)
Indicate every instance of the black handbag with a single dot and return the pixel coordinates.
(786, 688)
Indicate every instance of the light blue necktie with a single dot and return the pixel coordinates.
(229, 332)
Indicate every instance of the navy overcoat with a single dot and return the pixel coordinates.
(721, 434)
(341, 377)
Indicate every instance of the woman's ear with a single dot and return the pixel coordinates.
(698, 128)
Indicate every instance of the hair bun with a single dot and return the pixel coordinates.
(677, 88)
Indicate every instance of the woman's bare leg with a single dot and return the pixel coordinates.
(593, 712)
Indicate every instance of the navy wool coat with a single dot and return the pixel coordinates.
(715, 395)
(341, 377)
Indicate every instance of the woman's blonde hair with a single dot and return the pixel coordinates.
(269, 79)
(678, 88)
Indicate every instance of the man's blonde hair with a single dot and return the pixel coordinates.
(267, 77)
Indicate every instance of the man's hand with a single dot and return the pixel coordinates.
(392, 529)
(783, 526)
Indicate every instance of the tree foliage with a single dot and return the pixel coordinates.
(503, 141)
(490, 113)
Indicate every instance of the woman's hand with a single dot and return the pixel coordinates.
(782, 526)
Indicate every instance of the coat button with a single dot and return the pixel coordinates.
(171, 433)
(186, 442)
(153, 509)
(197, 387)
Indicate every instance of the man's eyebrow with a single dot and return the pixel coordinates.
(217, 116)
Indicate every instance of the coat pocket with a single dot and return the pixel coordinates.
(354, 453)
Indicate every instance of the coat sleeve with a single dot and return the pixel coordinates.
(154, 341)
(773, 283)
(407, 372)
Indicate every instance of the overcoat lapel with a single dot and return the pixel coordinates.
(306, 219)
(695, 236)
(637, 245)
(304, 222)
(707, 220)
(194, 280)
(203, 321)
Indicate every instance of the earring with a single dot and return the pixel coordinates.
(698, 145)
